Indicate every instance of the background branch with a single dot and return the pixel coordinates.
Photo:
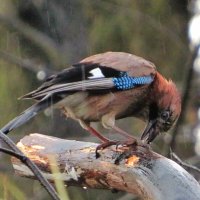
(184, 164)
(185, 97)
(26, 63)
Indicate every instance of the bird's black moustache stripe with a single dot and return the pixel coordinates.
(153, 111)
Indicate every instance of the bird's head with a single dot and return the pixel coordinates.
(164, 110)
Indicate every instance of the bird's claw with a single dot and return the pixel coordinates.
(133, 143)
(126, 143)
(103, 146)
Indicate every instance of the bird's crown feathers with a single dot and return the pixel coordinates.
(168, 96)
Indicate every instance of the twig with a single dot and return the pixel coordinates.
(12, 153)
(186, 165)
(188, 84)
(36, 171)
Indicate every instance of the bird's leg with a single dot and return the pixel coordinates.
(97, 134)
(131, 143)
(108, 121)
(86, 126)
(106, 142)
(130, 140)
(123, 133)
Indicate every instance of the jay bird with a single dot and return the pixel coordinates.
(106, 87)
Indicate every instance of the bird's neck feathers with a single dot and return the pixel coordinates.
(166, 93)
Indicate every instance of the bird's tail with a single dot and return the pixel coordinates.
(25, 116)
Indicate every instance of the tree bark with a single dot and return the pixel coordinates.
(144, 173)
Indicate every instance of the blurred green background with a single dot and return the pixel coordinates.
(40, 37)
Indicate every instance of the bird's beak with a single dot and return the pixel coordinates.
(151, 131)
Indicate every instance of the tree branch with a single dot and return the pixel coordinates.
(145, 173)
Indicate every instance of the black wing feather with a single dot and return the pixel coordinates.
(75, 74)
(78, 72)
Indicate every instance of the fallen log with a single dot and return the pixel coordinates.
(144, 173)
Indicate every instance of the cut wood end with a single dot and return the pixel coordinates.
(30, 151)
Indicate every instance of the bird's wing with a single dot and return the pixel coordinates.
(110, 70)
(134, 65)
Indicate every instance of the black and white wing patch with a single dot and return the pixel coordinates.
(96, 73)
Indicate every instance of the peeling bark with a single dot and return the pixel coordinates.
(145, 173)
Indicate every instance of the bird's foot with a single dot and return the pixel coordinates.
(105, 145)
(124, 149)
(131, 150)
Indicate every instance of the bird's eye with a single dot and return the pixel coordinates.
(165, 115)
